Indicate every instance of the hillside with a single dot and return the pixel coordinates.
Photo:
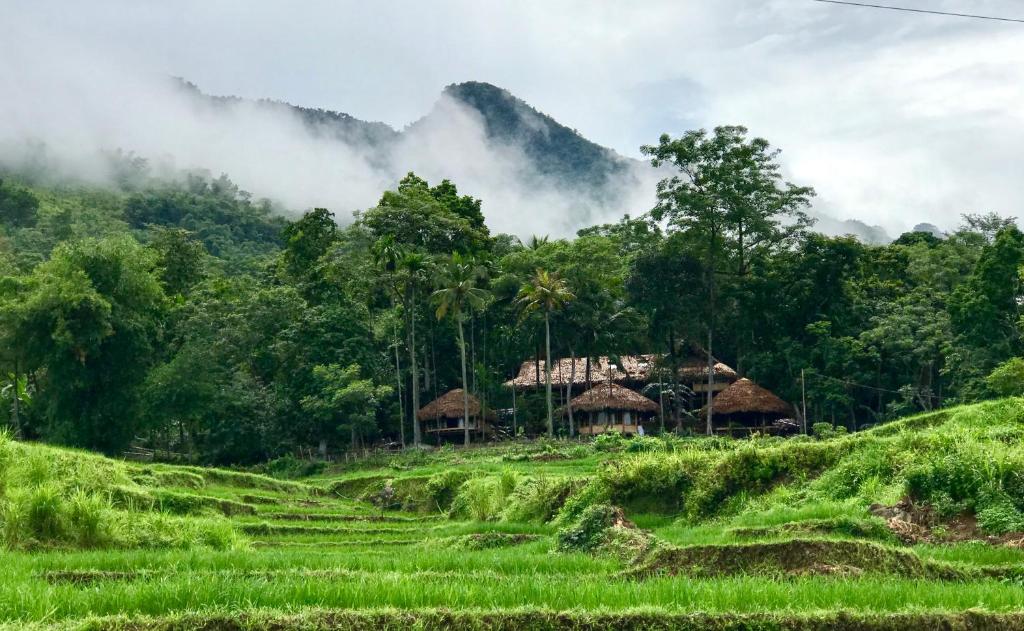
(913, 524)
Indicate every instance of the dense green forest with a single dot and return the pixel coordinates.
(181, 312)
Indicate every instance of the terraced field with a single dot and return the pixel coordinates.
(533, 537)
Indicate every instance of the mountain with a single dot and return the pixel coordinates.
(522, 162)
(553, 148)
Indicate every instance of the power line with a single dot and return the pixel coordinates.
(928, 11)
(854, 384)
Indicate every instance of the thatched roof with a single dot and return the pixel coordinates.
(696, 369)
(746, 396)
(635, 369)
(448, 405)
(612, 396)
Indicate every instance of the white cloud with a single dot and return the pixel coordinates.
(894, 118)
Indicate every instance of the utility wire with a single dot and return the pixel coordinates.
(928, 11)
(861, 385)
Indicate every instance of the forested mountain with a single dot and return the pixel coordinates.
(554, 149)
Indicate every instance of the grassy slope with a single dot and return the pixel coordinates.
(287, 547)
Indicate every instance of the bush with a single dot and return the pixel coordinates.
(538, 499)
(1000, 516)
(644, 444)
(651, 482)
(478, 498)
(588, 532)
(609, 441)
(442, 488)
(825, 431)
(288, 467)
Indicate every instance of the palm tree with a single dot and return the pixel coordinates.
(545, 292)
(458, 293)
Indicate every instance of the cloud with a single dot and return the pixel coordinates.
(81, 103)
(894, 118)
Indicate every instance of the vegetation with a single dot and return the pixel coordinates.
(765, 533)
(180, 320)
(182, 316)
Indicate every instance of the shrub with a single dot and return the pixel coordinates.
(538, 499)
(1000, 516)
(609, 441)
(288, 467)
(588, 532)
(825, 431)
(479, 498)
(651, 482)
(442, 488)
(644, 444)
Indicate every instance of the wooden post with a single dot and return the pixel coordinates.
(515, 423)
(803, 397)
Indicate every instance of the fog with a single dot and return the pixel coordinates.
(80, 106)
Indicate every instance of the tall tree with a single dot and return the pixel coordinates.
(459, 293)
(730, 199)
(413, 268)
(545, 292)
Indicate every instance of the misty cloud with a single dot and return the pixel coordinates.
(895, 119)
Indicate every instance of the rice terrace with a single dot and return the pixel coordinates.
(859, 531)
(417, 316)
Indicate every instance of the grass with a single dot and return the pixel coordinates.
(471, 539)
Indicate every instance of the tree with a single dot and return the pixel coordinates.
(1007, 380)
(427, 220)
(729, 199)
(413, 269)
(458, 294)
(19, 208)
(91, 324)
(985, 310)
(308, 239)
(545, 292)
(343, 400)
(181, 260)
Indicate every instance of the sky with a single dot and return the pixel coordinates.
(894, 118)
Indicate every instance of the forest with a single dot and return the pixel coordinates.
(180, 313)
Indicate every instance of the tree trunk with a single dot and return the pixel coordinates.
(568, 397)
(547, 372)
(661, 399)
(515, 420)
(401, 401)
(416, 436)
(465, 386)
(16, 409)
(711, 357)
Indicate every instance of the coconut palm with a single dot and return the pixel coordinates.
(545, 292)
(458, 294)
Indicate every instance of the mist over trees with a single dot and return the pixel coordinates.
(187, 316)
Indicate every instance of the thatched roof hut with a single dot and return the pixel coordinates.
(612, 396)
(630, 369)
(746, 397)
(448, 405)
(695, 369)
